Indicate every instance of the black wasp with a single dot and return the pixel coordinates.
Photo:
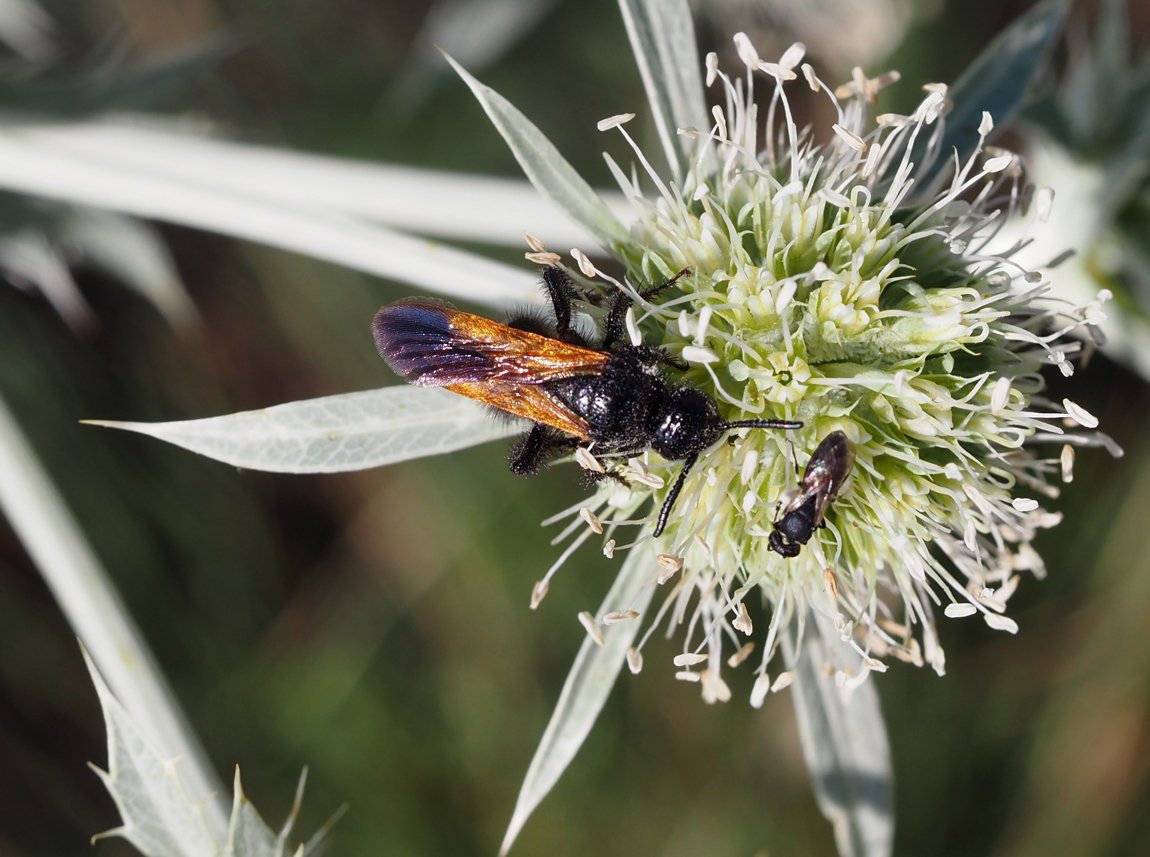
(613, 398)
(828, 468)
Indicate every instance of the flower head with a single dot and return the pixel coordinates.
(829, 283)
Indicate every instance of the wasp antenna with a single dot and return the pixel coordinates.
(769, 424)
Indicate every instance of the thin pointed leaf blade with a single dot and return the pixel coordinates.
(844, 741)
(352, 431)
(157, 815)
(62, 164)
(999, 80)
(544, 166)
(662, 38)
(586, 690)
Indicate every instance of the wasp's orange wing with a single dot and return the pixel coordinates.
(533, 403)
(431, 343)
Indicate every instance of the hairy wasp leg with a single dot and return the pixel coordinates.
(533, 450)
(613, 327)
(560, 290)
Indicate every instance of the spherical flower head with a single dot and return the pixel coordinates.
(833, 279)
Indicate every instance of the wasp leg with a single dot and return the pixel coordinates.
(532, 451)
(561, 292)
(613, 327)
(669, 503)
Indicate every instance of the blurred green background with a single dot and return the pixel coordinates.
(374, 626)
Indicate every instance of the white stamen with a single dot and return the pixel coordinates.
(812, 78)
(712, 67)
(831, 581)
(614, 121)
(783, 681)
(777, 71)
(793, 55)
(634, 660)
(1000, 623)
(834, 198)
(959, 611)
(1079, 414)
(546, 259)
(741, 655)
(785, 295)
(999, 395)
(997, 165)
(746, 50)
(593, 522)
(759, 690)
(669, 566)
(616, 616)
(633, 332)
(704, 322)
(697, 354)
(689, 659)
(586, 266)
(1044, 203)
(1067, 462)
(593, 630)
(850, 138)
(986, 125)
(714, 688)
(609, 548)
(587, 461)
(750, 465)
(720, 123)
(684, 322)
(688, 675)
(873, 155)
(536, 244)
(539, 592)
(1024, 504)
(978, 499)
(637, 472)
(750, 499)
(742, 621)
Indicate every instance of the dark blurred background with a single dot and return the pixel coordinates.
(374, 626)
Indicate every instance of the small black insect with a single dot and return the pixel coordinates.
(613, 398)
(822, 480)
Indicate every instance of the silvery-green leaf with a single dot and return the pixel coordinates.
(26, 28)
(419, 201)
(29, 260)
(88, 600)
(844, 739)
(998, 81)
(351, 431)
(662, 38)
(545, 167)
(133, 254)
(587, 687)
(157, 815)
(35, 161)
(248, 835)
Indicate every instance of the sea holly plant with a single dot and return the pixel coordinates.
(851, 277)
(158, 814)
